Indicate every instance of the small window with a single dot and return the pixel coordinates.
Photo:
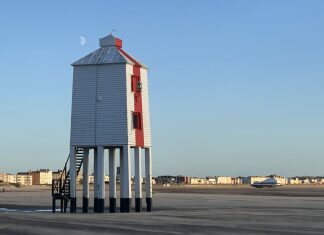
(136, 120)
(139, 86)
(134, 83)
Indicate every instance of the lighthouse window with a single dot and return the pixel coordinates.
(136, 120)
(134, 83)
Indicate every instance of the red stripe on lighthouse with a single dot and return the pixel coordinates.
(138, 108)
(119, 43)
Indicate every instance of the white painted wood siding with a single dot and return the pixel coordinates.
(111, 112)
(102, 106)
(83, 105)
(99, 105)
(146, 110)
(130, 105)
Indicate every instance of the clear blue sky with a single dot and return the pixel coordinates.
(236, 87)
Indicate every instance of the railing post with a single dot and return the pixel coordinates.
(53, 204)
(53, 188)
(60, 185)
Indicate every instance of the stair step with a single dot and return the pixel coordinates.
(65, 179)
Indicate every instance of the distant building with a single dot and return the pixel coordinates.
(306, 180)
(211, 180)
(91, 179)
(106, 178)
(24, 178)
(280, 179)
(224, 180)
(153, 180)
(180, 179)
(2, 177)
(320, 180)
(236, 180)
(56, 174)
(187, 179)
(197, 180)
(166, 179)
(9, 178)
(294, 180)
(171, 179)
(42, 176)
(79, 178)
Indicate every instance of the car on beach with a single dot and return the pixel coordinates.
(268, 183)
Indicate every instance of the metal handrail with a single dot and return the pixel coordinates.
(62, 180)
(60, 186)
(64, 169)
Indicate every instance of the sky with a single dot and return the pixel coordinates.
(236, 87)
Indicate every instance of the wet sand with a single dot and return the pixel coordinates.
(286, 190)
(177, 210)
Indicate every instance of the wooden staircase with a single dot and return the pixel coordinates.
(61, 186)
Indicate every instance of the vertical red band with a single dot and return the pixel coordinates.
(138, 108)
(119, 43)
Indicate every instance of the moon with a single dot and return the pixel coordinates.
(82, 40)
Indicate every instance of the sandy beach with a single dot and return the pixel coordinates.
(177, 210)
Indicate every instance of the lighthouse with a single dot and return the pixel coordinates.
(110, 115)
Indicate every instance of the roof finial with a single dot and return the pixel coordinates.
(113, 30)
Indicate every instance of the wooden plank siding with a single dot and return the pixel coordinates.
(130, 104)
(146, 110)
(99, 110)
(83, 105)
(111, 126)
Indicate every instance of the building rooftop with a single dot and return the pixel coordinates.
(23, 173)
(110, 52)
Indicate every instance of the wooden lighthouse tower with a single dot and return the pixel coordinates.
(110, 111)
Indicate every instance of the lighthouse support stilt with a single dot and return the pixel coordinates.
(121, 180)
(148, 179)
(95, 179)
(126, 180)
(72, 179)
(112, 180)
(138, 179)
(100, 187)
